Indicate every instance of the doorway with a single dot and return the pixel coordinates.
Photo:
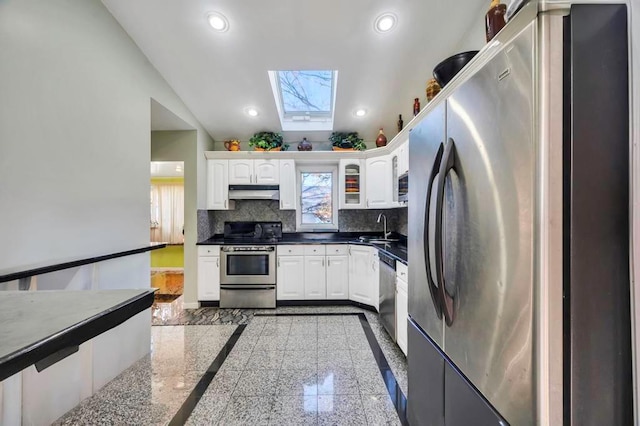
(167, 226)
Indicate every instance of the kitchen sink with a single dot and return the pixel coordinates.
(378, 240)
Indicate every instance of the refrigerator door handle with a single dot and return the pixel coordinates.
(447, 164)
(433, 289)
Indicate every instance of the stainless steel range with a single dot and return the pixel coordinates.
(248, 269)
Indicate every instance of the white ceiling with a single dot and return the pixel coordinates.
(219, 74)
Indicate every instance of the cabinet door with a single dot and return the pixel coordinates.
(359, 274)
(402, 314)
(240, 172)
(315, 284)
(373, 283)
(267, 172)
(352, 184)
(218, 184)
(290, 278)
(463, 405)
(287, 185)
(378, 183)
(403, 157)
(208, 278)
(338, 277)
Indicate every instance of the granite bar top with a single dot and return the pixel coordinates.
(37, 324)
(25, 271)
(397, 250)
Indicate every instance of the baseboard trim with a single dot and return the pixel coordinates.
(325, 303)
(190, 305)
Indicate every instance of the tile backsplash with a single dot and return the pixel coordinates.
(211, 222)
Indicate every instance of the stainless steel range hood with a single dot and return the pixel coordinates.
(254, 192)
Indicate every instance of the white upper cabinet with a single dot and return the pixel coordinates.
(251, 172)
(218, 185)
(287, 185)
(240, 172)
(267, 172)
(352, 190)
(379, 182)
(403, 157)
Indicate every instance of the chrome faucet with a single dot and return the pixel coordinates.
(384, 224)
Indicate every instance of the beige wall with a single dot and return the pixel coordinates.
(75, 133)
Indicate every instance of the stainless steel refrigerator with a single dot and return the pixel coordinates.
(498, 239)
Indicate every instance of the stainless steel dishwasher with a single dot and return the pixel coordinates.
(388, 293)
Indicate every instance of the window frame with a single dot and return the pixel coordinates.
(320, 227)
(311, 114)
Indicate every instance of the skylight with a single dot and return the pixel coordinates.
(305, 98)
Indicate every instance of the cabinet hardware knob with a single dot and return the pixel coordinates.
(225, 204)
(218, 262)
(278, 262)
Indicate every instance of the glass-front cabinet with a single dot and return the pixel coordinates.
(352, 184)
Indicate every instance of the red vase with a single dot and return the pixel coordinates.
(381, 140)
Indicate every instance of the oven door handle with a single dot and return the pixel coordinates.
(247, 287)
(247, 253)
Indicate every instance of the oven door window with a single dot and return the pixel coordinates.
(254, 264)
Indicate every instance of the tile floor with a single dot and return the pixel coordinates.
(311, 369)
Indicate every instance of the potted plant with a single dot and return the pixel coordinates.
(347, 141)
(267, 141)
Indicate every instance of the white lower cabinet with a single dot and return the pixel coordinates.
(209, 277)
(290, 278)
(315, 281)
(402, 314)
(338, 277)
(402, 305)
(364, 280)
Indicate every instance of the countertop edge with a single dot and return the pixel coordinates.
(312, 241)
(75, 334)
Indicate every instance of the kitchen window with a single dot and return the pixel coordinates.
(318, 203)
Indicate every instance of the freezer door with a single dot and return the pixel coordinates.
(425, 406)
(426, 145)
(487, 203)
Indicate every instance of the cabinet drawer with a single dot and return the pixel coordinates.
(402, 271)
(314, 250)
(337, 249)
(208, 250)
(294, 250)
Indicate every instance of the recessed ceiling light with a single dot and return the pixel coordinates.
(361, 112)
(218, 22)
(385, 22)
(251, 112)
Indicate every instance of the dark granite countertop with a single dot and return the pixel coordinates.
(398, 249)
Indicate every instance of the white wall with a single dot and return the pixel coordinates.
(475, 37)
(75, 132)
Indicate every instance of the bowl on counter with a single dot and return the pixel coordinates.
(447, 69)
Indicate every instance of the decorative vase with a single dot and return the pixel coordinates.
(433, 88)
(381, 140)
(305, 145)
(232, 145)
